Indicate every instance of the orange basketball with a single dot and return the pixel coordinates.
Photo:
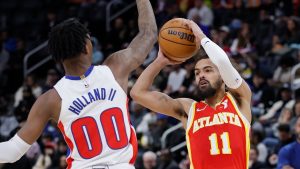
(177, 40)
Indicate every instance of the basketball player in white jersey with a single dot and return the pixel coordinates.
(89, 103)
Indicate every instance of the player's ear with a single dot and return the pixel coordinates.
(88, 47)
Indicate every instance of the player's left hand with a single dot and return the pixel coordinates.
(199, 35)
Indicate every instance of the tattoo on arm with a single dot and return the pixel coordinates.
(147, 36)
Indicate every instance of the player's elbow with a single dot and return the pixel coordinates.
(137, 94)
(134, 93)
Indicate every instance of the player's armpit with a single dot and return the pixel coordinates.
(243, 96)
(46, 107)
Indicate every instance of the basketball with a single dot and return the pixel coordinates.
(177, 40)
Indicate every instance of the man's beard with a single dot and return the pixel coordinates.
(209, 91)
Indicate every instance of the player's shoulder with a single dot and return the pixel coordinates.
(104, 69)
(51, 97)
(49, 103)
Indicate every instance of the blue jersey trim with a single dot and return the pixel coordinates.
(78, 77)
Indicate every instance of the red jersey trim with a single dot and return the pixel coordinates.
(246, 124)
(189, 126)
(69, 143)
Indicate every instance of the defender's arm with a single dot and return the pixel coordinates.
(46, 107)
(123, 62)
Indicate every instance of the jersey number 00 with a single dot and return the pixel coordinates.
(87, 137)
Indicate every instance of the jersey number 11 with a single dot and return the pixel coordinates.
(214, 147)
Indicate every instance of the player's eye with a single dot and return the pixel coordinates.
(207, 70)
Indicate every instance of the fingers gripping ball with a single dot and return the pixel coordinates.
(177, 40)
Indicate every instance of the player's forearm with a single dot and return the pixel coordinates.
(228, 73)
(146, 19)
(13, 149)
(147, 36)
(146, 79)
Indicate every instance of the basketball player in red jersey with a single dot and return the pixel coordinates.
(217, 126)
(90, 102)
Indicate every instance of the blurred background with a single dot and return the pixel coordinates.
(262, 36)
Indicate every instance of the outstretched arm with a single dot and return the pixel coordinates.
(123, 62)
(157, 101)
(47, 106)
(236, 84)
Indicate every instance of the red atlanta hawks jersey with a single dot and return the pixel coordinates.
(218, 138)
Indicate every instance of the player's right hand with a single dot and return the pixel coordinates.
(161, 58)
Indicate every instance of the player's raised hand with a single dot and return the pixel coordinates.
(197, 32)
(161, 58)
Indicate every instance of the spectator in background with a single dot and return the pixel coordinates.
(223, 42)
(284, 118)
(282, 73)
(166, 160)
(148, 119)
(61, 150)
(175, 80)
(149, 160)
(187, 85)
(202, 12)
(118, 34)
(36, 89)
(292, 35)
(241, 44)
(296, 110)
(62, 163)
(253, 159)
(22, 110)
(263, 32)
(285, 137)
(256, 141)
(158, 130)
(98, 56)
(262, 94)
(52, 78)
(273, 113)
(45, 160)
(289, 155)
(136, 114)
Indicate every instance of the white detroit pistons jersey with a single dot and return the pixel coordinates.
(94, 120)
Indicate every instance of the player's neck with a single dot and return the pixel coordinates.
(76, 67)
(217, 98)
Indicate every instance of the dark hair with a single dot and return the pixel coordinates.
(67, 40)
(284, 128)
(201, 54)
